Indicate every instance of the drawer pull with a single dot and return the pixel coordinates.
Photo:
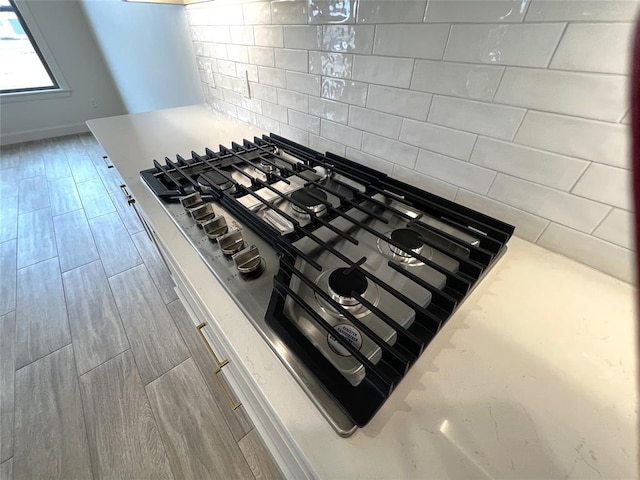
(106, 161)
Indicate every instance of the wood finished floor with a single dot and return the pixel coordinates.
(102, 373)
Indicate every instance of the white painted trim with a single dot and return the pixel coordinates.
(15, 97)
(40, 133)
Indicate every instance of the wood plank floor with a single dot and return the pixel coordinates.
(102, 373)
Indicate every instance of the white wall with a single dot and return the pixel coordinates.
(71, 43)
(148, 50)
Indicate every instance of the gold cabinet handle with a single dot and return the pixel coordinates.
(219, 364)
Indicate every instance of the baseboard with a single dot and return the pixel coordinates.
(40, 133)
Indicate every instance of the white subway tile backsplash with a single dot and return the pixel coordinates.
(604, 256)
(399, 101)
(617, 228)
(288, 13)
(334, 111)
(607, 185)
(268, 36)
(237, 53)
(330, 64)
(432, 185)
(375, 122)
(268, 124)
(295, 100)
(479, 82)
(241, 35)
(528, 45)
(331, 11)
(217, 34)
(344, 90)
(226, 82)
(294, 134)
(565, 92)
(418, 41)
(348, 38)
(598, 141)
(219, 50)
(594, 47)
(570, 210)
(261, 56)
(475, 11)
(246, 116)
(454, 171)
(369, 160)
(288, 59)
(272, 76)
(627, 118)
(252, 71)
(538, 166)
(252, 104)
(528, 226)
(395, 72)
(276, 112)
(341, 134)
(226, 67)
(304, 121)
(374, 11)
(232, 97)
(305, 37)
(582, 10)
(257, 13)
(264, 92)
(303, 83)
(484, 118)
(396, 152)
(323, 145)
(447, 141)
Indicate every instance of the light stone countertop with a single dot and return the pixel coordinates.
(533, 377)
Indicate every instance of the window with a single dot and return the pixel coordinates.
(23, 68)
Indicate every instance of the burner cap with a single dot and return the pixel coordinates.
(302, 196)
(343, 283)
(409, 239)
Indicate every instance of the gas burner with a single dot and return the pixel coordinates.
(410, 240)
(307, 196)
(339, 284)
(267, 166)
(208, 181)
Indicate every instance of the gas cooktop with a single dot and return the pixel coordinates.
(347, 273)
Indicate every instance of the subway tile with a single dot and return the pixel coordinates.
(264, 92)
(570, 210)
(271, 76)
(348, 38)
(545, 168)
(430, 184)
(225, 67)
(606, 184)
(261, 56)
(475, 11)
(598, 141)
(627, 118)
(331, 11)
(335, 111)
(396, 152)
(219, 50)
(528, 226)
(276, 112)
(486, 119)
(479, 82)
(395, 72)
(288, 59)
(582, 10)
(303, 37)
(241, 35)
(565, 92)
(369, 160)
(230, 83)
(252, 104)
(288, 13)
(418, 41)
(303, 83)
(341, 134)
(617, 228)
(527, 45)
(246, 116)
(232, 97)
(218, 34)
(457, 172)
(252, 71)
(346, 91)
(226, 108)
(399, 101)
(374, 11)
(256, 13)
(268, 36)
(237, 53)
(294, 100)
(267, 124)
(330, 64)
(294, 134)
(453, 143)
(323, 145)
(594, 47)
(604, 256)
(375, 122)
(304, 121)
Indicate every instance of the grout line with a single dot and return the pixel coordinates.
(549, 222)
(44, 356)
(606, 215)
(555, 49)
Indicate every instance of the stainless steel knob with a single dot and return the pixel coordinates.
(216, 228)
(203, 214)
(248, 260)
(231, 242)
